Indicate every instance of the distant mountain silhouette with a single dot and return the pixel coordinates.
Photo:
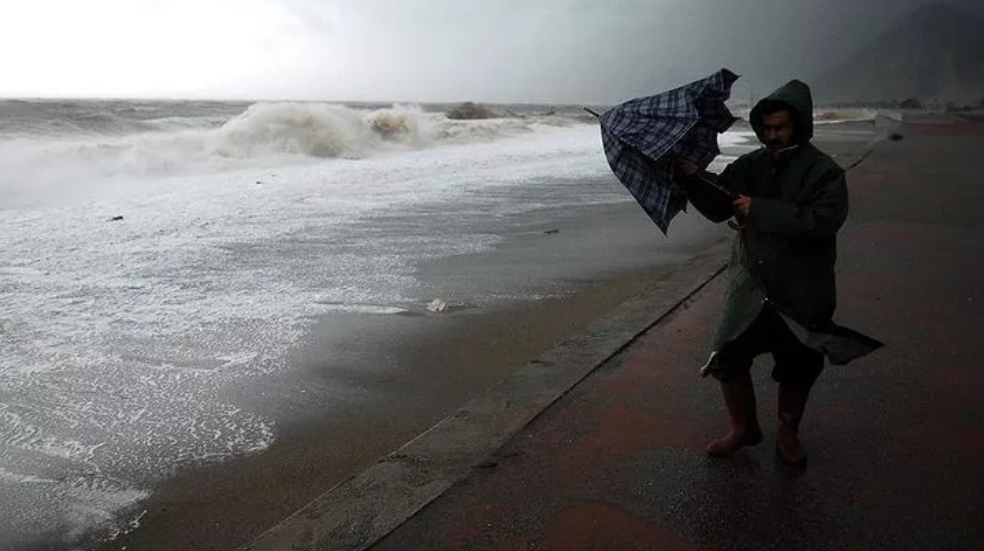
(934, 54)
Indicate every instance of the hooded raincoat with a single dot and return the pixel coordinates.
(785, 255)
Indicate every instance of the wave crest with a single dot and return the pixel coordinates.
(312, 130)
(263, 135)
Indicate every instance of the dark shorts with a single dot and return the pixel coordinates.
(796, 366)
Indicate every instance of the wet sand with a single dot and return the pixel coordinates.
(364, 385)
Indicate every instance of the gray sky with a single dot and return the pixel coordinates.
(422, 50)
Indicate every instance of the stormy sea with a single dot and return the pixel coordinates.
(155, 254)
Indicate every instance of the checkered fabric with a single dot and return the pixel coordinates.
(644, 135)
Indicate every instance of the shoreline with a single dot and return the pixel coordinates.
(384, 379)
(305, 462)
(248, 495)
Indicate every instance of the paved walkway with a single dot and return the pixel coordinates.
(896, 440)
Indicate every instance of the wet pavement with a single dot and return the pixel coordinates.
(896, 440)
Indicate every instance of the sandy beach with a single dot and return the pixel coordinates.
(391, 377)
(154, 323)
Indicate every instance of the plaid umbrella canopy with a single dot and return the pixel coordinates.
(642, 136)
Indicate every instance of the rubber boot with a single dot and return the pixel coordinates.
(739, 398)
(791, 405)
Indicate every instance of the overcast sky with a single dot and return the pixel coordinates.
(422, 50)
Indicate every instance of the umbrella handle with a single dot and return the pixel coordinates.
(703, 175)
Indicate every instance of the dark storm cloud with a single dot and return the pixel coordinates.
(424, 50)
(602, 51)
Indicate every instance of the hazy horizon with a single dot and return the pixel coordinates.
(504, 51)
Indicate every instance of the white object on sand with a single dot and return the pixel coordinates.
(437, 305)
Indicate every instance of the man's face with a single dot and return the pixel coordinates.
(777, 130)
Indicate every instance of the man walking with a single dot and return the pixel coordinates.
(790, 201)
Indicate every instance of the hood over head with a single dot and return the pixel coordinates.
(794, 95)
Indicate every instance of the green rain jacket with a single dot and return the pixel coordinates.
(785, 255)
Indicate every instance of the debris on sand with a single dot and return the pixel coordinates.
(437, 306)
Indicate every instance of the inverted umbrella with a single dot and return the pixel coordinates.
(642, 137)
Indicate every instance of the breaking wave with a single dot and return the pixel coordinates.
(324, 131)
(103, 145)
